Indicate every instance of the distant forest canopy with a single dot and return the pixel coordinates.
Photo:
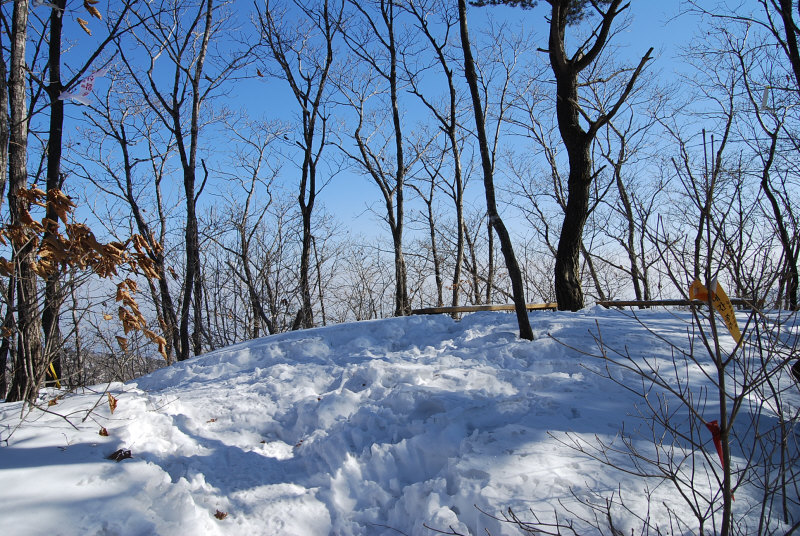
(236, 170)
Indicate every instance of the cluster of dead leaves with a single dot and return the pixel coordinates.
(132, 318)
(93, 11)
(77, 246)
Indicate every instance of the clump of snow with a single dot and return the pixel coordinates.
(370, 428)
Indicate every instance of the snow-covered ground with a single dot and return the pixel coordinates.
(370, 428)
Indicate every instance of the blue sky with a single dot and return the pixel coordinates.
(652, 23)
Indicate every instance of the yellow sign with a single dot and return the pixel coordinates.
(720, 301)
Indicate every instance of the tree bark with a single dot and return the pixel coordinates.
(402, 304)
(577, 141)
(790, 33)
(4, 126)
(8, 320)
(525, 331)
(789, 252)
(29, 367)
(53, 295)
(8, 329)
(193, 288)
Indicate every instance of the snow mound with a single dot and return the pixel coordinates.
(371, 428)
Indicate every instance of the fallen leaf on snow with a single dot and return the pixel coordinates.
(120, 454)
(112, 403)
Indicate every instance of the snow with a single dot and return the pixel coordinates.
(369, 428)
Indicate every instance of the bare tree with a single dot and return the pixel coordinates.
(304, 55)
(447, 113)
(577, 139)
(377, 41)
(572, 116)
(246, 218)
(525, 331)
(776, 123)
(624, 145)
(54, 294)
(764, 46)
(180, 75)
(125, 144)
(365, 287)
(432, 165)
(29, 366)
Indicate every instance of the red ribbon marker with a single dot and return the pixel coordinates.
(713, 427)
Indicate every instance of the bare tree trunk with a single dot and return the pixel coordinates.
(789, 252)
(790, 33)
(448, 123)
(569, 293)
(392, 182)
(193, 289)
(630, 236)
(577, 141)
(310, 99)
(162, 296)
(8, 320)
(307, 81)
(587, 258)
(8, 329)
(437, 268)
(320, 294)
(473, 259)
(305, 318)
(525, 331)
(402, 303)
(4, 125)
(53, 295)
(459, 202)
(490, 269)
(29, 367)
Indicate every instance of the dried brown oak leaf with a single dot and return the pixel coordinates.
(103, 432)
(120, 454)
(92, 10)
(112, 403)
(220, 514)
(84, 25)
